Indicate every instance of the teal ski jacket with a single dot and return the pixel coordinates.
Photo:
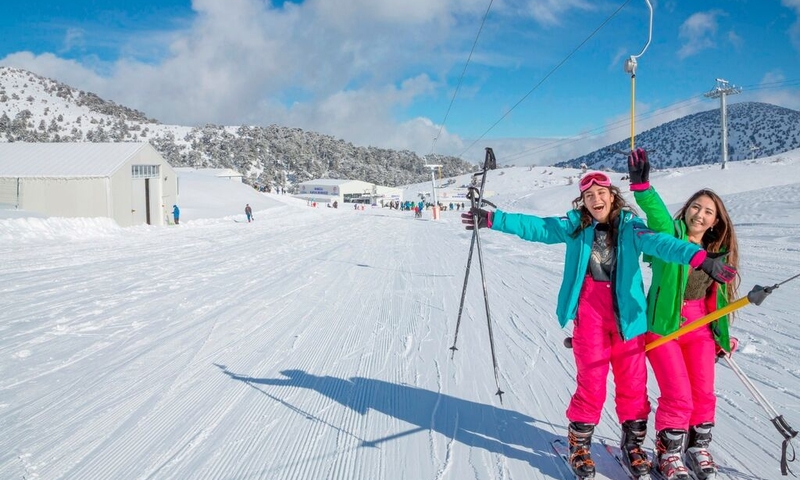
(633, 239)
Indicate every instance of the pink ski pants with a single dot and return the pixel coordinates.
(684, 370)
(596, 344)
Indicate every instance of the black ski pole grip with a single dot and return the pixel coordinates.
(758, 294)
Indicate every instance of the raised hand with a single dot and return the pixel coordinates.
(639, 169)
(484, 218)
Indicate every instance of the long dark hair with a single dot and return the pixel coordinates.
(719, 238)
(619, 204)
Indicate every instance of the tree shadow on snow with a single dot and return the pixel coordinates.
(478, 425)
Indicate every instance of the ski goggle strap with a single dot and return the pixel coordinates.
(594, 178)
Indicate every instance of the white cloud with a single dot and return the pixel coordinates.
(339, 67)
(550, 12)
(74, 38)
(735, 39)
(794, 31)
(698, 33)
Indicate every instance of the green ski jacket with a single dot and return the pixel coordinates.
(668, 286)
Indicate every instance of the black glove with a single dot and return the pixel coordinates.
(716, 268)
(484, 218)
(638, 167)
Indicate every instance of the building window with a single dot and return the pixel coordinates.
(145, 171)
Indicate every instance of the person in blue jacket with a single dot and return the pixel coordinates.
(176, 214)
(603, 292)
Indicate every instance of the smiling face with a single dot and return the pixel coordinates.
(598, 201)
(700, 215)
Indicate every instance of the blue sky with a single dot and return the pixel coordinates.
(385, 73)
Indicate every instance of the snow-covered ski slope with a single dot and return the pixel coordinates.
(314, 343)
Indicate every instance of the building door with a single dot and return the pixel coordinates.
(145, 195)
(147, 199)
(138, 202)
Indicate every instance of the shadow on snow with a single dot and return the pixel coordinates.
(478, 425)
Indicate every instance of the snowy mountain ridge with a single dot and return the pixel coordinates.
(755, 130)
(39, 109)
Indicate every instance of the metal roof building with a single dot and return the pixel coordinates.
(128, 182)
(325, 190)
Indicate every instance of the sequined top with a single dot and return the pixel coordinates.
(604, 255)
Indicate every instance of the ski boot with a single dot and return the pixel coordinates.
(669, 446)
(633, 457)
(697, 457)
(580, 441)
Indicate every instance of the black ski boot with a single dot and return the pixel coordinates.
(669, 446)
(580, 441)
(634, 458)
(697, 457)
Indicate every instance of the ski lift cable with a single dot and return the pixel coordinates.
(549, 74)
(604, 129)
(461, 78)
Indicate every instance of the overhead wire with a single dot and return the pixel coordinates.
(549, 74)
(616, 125)
(461, 78)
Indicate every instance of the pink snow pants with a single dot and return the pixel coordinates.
(596, 344)
(684, 370)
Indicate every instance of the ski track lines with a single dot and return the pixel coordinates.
(220, 352)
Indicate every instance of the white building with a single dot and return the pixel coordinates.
(128, 182)
(227, 173)
(326, 190)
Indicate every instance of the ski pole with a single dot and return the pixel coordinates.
(755, 296)
(471, 197)
(777, 420)
(630, 67)
(490, 163)
(464, 289)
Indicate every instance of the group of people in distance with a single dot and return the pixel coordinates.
(694, 259)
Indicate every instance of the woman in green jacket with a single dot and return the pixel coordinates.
(678, 295)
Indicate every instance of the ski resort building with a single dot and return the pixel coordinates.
(130, 183)
(328, 190)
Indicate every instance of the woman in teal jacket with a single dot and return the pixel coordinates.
(603, 292)
(684, 367)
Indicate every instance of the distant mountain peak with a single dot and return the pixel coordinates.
(754, 130)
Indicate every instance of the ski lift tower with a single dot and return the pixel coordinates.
(433, 187)
(722, 89)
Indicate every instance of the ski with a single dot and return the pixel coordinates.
(607, 469)
(617, 454)
(562, 450)
(656, 475)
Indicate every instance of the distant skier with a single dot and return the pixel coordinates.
(249, 212)
(602, 291)
(176, 214)
(684, 367)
